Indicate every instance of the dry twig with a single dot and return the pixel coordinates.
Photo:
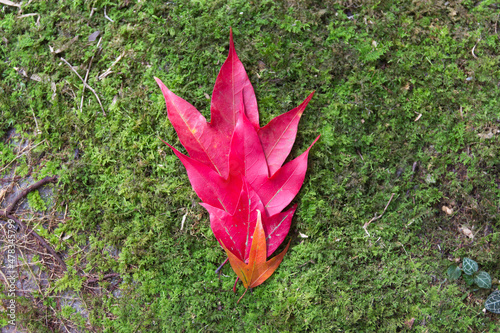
(87, 75)
(377, 217)
(10, 3)
(27, 230)
(23, 152)
(475, 48)
(40, 239)
(85, 84)
(27, 190)
(106, 16)
(108, 71)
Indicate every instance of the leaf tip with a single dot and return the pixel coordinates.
(158, 81)
(163, 87)
(165, 142)
(231, 43)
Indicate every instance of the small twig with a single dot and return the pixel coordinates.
(32, 14)
(27, 190)
(183, 220)
(40, 239)
(114, 286)
(377, 217)
(24, 152)
(359, 153)
(87, 75)
(85, 84)
(19, 246)
(309, 262)
(413, 168)
(27, 230)
(475, 48)
(31, 271)
(36, 123)
(107, 17)
(107, 276)
(10, 3)
(108, 71)
(9, 180)
(217, 271)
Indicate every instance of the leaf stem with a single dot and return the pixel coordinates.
(234, 287)
(222, 265)
(242, 295)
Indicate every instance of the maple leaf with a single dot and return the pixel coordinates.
(279, 134)
(246, 156)
(276, 192)
(235, 231)
(209, 142)
(209, 185)
(196, 135)
(258, 269)
(236, 168)
(280, 189)
(232, 92)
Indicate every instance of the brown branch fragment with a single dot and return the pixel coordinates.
(87, 75)
(27, 230)
(85, 84)
(475, 48)
(107, 276)
(10, 180)
(377, 217)
(42, 241)
(27, 190)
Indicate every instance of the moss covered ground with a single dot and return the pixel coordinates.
(408, 105)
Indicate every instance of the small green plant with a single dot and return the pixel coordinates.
(493, 302)
(473, 276)
(36, 202)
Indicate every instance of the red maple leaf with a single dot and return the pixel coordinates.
(236, 230)
(257, 269)
(236, 167)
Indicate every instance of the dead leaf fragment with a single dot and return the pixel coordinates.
(486, 136)
(94, 36)
(409, 323)
(21, 71)
(36, 77)
(262, 65)
(447, 210)
(466, 232)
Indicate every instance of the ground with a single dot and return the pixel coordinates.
(407, 105)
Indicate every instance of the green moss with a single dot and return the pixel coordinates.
(36, 202)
